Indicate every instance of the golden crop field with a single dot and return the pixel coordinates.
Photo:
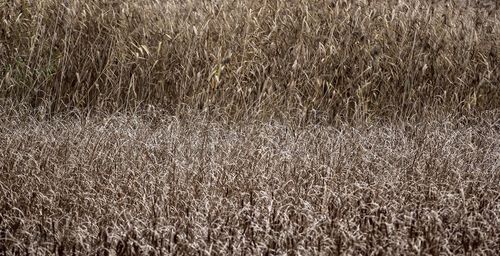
(252, 127)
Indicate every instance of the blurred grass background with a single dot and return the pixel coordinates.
(316, 61)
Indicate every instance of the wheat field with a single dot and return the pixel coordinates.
(250, 127)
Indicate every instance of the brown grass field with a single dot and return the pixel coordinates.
(252, 127)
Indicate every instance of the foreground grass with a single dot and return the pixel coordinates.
(137, 185)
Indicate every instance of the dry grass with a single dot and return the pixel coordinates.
(318, 60)
(128, 185)
(249, 127)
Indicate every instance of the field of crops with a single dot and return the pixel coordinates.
(250, 127)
